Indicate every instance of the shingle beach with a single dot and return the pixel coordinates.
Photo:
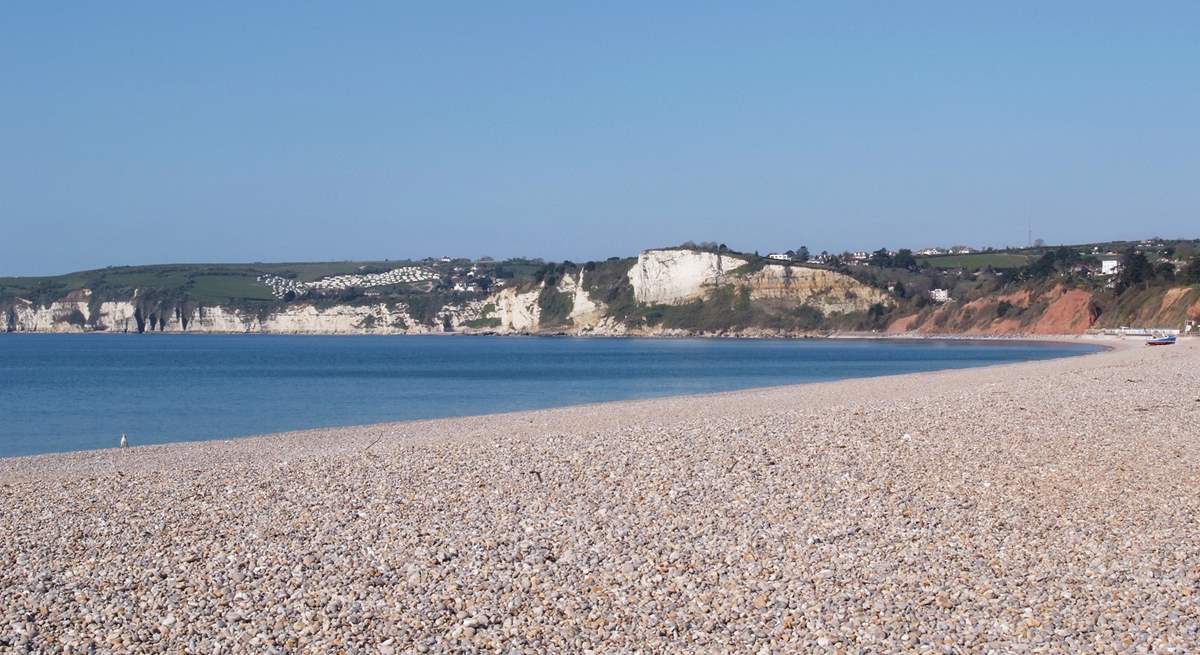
(1037, 507)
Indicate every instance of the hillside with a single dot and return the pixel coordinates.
(666, 291)
(1064, 290)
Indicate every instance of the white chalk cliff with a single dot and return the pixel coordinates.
(586, 314)
(123, 316)
(673, 276)
(517, 312)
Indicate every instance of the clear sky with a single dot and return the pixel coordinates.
(251, 131)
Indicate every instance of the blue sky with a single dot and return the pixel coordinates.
(160, 132)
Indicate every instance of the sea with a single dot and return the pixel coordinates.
(68, 392)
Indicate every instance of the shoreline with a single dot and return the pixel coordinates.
(1024, 507)
(830, 334)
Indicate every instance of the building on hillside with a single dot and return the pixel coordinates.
(780, 256)
(860, 255)
(939, 295)
(1110, 266)
(931, 252)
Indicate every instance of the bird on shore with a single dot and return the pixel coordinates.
(124, 441)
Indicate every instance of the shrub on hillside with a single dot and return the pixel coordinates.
(1191, 273)
(555, 306)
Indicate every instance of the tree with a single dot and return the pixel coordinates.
(802, 253)
(1042, 267)
(1165, 271)
(1060, 260)
(876, 314)
(881, 258)
(1191, 274)
(904, 259)
(1135, 270)
(1066, 257)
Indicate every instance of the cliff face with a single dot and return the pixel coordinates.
(304, 319)
(670, 277)
(518, 312)
(128, 316)
(676, 276)
(826, 291)
(586, 313)
(1055, 310)
(59, 316)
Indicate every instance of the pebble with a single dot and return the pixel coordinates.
(1043, 507)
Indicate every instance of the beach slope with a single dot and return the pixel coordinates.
(1048, 505)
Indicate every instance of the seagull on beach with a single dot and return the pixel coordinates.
(124, 441)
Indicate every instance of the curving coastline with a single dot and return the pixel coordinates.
(1044, 504)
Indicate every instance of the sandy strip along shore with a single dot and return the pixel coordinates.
(1047, 506)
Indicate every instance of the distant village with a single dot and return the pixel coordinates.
(463, 278)
(1108, 260)
(862, 256)
(1093, 261)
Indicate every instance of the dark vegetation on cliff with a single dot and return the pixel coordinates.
(730, 309)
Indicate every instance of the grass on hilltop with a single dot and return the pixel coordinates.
(977, 260)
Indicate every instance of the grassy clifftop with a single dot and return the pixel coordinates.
(214, 283)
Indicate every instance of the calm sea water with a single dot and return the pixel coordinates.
(74, 392)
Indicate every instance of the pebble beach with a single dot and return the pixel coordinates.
(1046, 506)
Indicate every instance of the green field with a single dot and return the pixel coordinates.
(977, 260)
(211, 283)
(219, 288)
